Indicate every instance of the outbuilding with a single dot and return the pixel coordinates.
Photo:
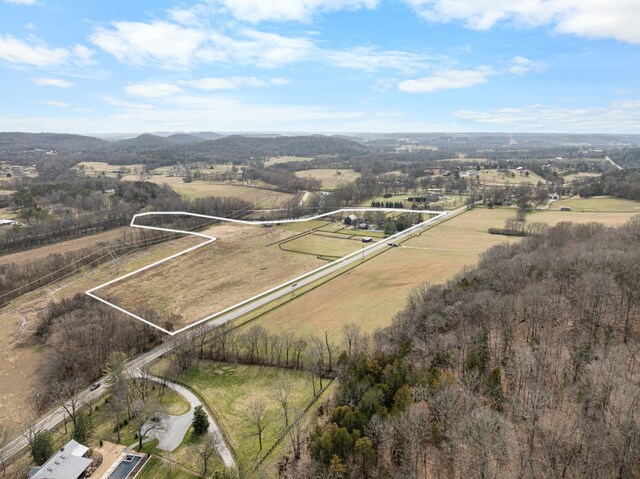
(351, 220)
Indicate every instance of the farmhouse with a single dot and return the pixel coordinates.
(351, 220)
(67, 463)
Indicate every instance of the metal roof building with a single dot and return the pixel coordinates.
(67, 463)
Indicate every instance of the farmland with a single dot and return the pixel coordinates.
(329, 178)
(323, 244)
(19, 357)
(261, 197)
(431, 257)
(599, 203)
(237, 266)
(277, 160)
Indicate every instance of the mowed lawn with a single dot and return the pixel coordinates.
(598, 203)
(321, 244)
(229, 390)
(156, 468)
(372, 293)
(330, 178)
(277, 160)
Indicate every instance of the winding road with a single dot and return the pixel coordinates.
(87, 396)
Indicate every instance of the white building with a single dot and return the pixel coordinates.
(67, 463)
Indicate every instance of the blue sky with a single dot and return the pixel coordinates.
(320, 65)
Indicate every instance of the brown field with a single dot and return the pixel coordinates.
(371, 294)
(262, 198)
(62, 247)
(329, 178)
(580, 176)
(236, 267)
(19, 364)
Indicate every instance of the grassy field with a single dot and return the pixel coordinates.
(262, 198)
(20, 361)
(493, 177)
(329, 178)
(276, 160)
(371, 294)
(235, 267)
(157, 468)
(229, 390)
(61, 247)
(321, 244)
(598, 204)
(6, 214)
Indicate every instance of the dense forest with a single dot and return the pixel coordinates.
(523, 367)
(623, 184)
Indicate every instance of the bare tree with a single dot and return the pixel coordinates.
(295, 432)
(283, 391)
(351, 333)
(257, 411)
(147, 417)
(205, 450)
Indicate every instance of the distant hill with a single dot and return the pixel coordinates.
(16, 142)
(184, 138)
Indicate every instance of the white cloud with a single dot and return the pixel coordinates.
(57, 104)
(619, 117)
(14, 50)
(53, 82)
(371, 59)
(21, 2)
(232, 83)
(522, 66)
(152, 89)
(616, 19)
(290, 10)
(36, 53)
(447, 80)
(161, 42)
(174, 46)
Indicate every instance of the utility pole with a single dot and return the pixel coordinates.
(293, 289)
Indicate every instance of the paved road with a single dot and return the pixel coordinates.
(56, 417)
(178, 426)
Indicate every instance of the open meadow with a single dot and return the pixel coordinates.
(329, 178)
(243, 262)
(277, 160)
(598, 203)
(371, 294)
(514, 177)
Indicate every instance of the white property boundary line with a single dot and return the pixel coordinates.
(211, 239)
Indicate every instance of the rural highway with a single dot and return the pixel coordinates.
(87, 396)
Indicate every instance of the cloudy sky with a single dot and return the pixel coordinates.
(320, 65)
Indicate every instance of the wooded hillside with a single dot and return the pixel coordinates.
(526, 366)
